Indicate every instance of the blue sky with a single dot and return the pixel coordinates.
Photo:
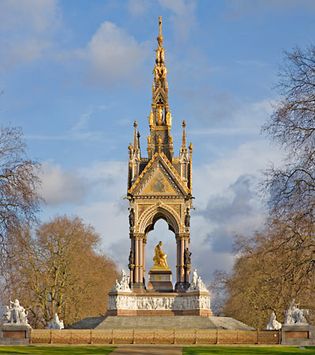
(75, 74)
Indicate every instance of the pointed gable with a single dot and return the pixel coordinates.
(159, 178)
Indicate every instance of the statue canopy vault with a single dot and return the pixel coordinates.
(159, 184)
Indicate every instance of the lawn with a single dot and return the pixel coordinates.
(55, 350)
(252, 350)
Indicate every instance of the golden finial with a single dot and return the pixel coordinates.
(160, 36)
(160, 25)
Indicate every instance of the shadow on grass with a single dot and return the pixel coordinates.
(55, 350)
(230, 350)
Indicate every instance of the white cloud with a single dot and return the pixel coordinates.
(238, 8)
(183, 15)
(60, 186)
(26, 29)
(250, 158)
(111, 222)
(29, 15)
(138, 7)
(115, 55)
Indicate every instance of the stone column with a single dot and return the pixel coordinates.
(131, 263)
(177, 260)
(139, 261)
(144, 242)
(187, 269)
(182, 241)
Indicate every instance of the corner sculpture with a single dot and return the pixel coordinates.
(55, 323)
(14, 327)
(15, 314)
(273, 324)
(159, 187)
(294, 315)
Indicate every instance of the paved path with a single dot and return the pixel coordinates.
(147, 350)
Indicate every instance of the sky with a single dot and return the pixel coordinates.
(75, 74)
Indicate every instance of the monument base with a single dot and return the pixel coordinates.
(160, 280)
(151, 303)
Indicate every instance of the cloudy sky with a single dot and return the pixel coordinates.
(75, 74)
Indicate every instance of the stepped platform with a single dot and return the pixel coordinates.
(163, 322)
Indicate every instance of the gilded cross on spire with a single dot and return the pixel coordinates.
(160, 31)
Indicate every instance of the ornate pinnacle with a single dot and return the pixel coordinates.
(184, 135)
(135, 140)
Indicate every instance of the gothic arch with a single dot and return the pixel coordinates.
(156, 212)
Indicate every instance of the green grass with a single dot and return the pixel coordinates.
(252, 350)
(55, 350)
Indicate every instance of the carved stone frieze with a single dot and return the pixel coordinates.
(187, 302)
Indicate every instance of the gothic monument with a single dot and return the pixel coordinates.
(159, 186)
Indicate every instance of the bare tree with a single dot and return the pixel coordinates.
(19, 200)
(293, 125)
(278, 264)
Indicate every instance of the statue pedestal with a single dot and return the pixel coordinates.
(296, 334)
(160, 280)
(15, 334)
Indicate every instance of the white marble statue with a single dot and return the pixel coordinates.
(273, 323)
(196, 283)
(294, 315)
(123, 284)
(15, 314)
(55, 323)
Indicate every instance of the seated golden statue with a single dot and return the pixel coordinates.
(159, 257)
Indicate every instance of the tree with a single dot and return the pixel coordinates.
(293, 125)
(271, 269)
(19, 200)
(60, 271)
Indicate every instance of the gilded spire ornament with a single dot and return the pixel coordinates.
(160, 119)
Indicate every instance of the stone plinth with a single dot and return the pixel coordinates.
(160, 280)
(150, 303)
(15, 334)
(296, 334)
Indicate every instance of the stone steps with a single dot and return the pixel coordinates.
(171, 322)
(160, 322)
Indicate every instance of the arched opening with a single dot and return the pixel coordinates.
(159, 230)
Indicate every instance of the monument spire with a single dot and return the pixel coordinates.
(159, 186)
(160, 118)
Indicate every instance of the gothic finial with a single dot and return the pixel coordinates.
(184, 134)
(135, 140)
(138, 139)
